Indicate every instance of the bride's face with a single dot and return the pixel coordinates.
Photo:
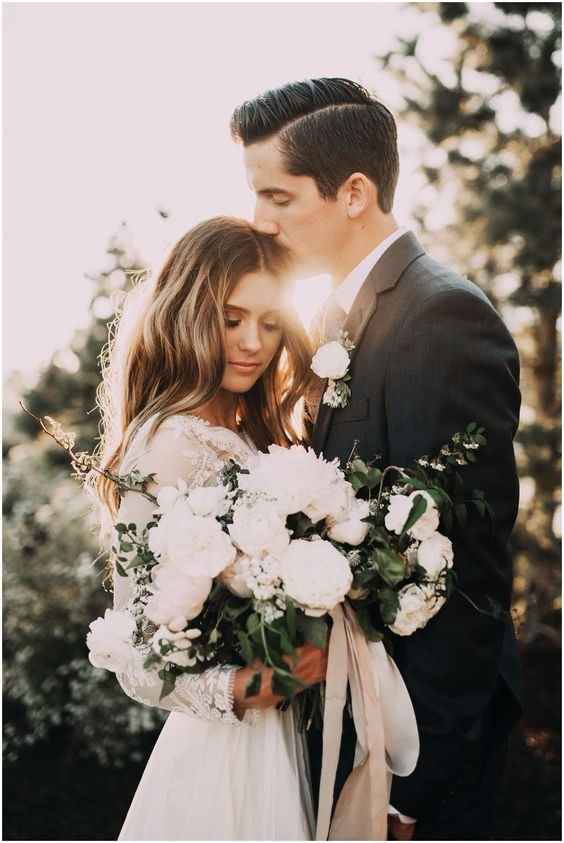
(253, 330)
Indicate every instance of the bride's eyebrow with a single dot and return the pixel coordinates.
(275, 312)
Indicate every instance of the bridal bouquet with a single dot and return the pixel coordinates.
(251, 569)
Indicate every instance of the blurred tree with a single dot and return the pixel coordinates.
(55, 704)
(482, 84)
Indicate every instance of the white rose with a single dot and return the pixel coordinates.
(298, 480)
(259, 529)
(177, 597)
(315, 575)
(168, 495)
(435, 554)
(425, 526)
(110, 640)
(353, 530)
(417, 605)
(234, 577)
(209, 500)
(331, 361)
(195, 543)
(399, 508)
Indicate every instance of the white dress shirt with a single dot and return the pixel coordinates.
(348, 289)
(345, 294)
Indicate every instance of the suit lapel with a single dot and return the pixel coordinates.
(383, 276)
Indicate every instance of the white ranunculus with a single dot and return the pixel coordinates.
(177, 597)
(297, 479)
(259, 529)
(168, 495)
(194, 543)
(315, 575)
(331, 361)
(234, 577)
(417, 605)
(209, 500)
(435, 554)
(352, 530)
(110, 640)
(399, 508)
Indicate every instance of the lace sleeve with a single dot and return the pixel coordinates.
(175, 452)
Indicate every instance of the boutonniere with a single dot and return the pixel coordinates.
(332, 361)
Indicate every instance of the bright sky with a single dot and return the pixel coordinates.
(114, 109)
(111, 110)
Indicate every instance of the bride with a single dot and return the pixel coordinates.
(213, 370)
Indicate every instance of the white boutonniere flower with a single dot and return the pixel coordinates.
(332, 361)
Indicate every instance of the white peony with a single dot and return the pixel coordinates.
(298, 480)
(177, 597)
(435, 554)
(168, 495)
(417, 605)
(331, 361)
(110, 640)
(398, 513)
(195, 543)
(353, 530)
(209, 500)
(259, 529)
(315, 575)
(234, 577)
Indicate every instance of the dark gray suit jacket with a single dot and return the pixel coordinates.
(431, 356)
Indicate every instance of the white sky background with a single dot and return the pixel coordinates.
(111, 110)
(114, 109)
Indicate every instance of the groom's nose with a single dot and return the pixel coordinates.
(264, 224)
(266, 227)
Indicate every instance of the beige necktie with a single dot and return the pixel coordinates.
(325, 327)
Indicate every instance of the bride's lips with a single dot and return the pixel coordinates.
(244, 368)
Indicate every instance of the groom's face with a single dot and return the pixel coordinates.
(292, 209)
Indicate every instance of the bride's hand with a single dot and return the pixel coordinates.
(310, 667)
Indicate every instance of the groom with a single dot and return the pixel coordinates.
(431, 356)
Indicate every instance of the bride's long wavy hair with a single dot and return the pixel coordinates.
(173, 359)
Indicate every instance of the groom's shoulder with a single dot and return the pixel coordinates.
(430, 281)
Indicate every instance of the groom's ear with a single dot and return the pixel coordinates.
(358, 193)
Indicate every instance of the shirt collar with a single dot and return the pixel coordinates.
(346, 292)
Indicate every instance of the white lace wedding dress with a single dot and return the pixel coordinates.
(210, 776)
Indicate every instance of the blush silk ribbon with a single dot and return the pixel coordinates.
(387, 736)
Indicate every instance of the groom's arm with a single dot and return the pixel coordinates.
(455, 362)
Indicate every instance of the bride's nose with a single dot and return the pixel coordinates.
(249, 339)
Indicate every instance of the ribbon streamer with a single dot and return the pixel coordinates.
(387, 736)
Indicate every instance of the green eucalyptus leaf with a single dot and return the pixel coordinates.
(389, 604)
(419, 507)
(314, 630)
(253, 686)
(245, 644)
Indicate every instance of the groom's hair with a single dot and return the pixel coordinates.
(328, 129)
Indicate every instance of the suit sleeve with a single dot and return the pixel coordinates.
(454, 362)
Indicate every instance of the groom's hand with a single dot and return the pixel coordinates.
(310, 667)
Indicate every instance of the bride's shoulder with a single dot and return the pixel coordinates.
(194, 431)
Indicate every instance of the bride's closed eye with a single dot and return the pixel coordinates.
(270, 326)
